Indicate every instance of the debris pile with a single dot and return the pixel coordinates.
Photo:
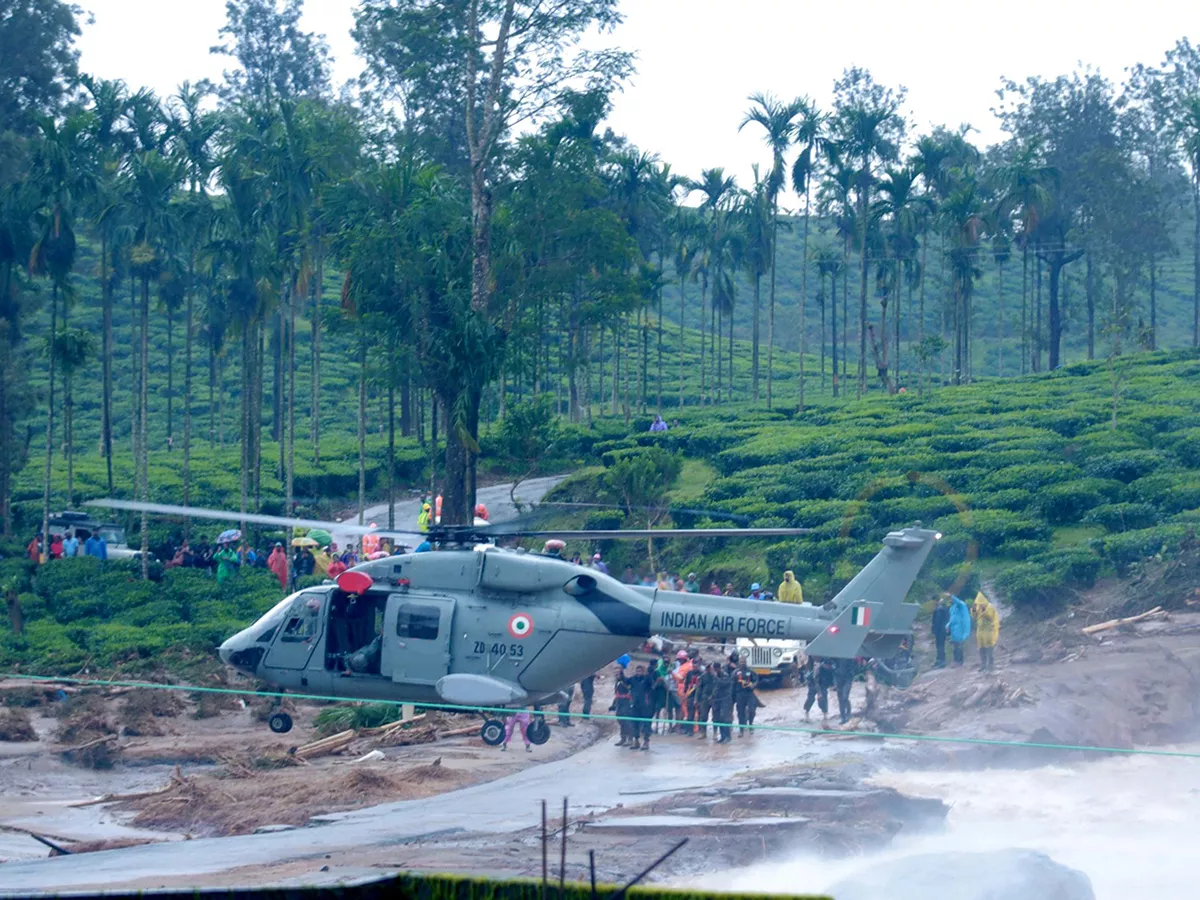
(1157, 613)
(143, 709)
(15, 725)
(89, 738)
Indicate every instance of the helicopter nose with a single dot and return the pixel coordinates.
(242, 656)
(226, 653)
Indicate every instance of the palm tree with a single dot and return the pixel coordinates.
(778, 121)
(903, 210)
(61, 162)
(758, 218)
(836, 201)
(1189, 126)
(929, 161)
(829, 265)
(1025, 187)
(687, 242)
(718, 191)
(863, 137)
(962, 216)
(72, 348)
(193, 131)
(109, 106)
(809, 136)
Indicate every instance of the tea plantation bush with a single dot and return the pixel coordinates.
(83, 611)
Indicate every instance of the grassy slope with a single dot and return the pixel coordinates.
(1026, 476)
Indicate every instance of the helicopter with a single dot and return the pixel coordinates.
(478, 626)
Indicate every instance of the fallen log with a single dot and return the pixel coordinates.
(459, 732)
(92, 743)
(1129, 620)
(329, 745)
(121, 798)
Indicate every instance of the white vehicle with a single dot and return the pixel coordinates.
(83, 526)
(776, 662)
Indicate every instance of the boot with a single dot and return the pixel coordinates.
(622, 742)
(646, 744)
(634, 745)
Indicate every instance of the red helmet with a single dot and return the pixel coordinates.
(481, 511)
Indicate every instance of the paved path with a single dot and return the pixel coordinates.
(598, 778)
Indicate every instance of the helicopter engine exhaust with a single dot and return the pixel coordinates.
(580, 585)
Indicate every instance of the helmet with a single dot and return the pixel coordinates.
(681, 655)
(596, 556)
(756, 586)
(426, 507)
(481, 511)
(554, 545)
(691, 576)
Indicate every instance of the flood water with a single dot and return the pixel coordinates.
(1131, 823)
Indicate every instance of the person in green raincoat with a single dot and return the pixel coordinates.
(227, 563)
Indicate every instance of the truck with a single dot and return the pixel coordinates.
(83, 525)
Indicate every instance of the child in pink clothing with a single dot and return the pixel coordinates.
(517, 719)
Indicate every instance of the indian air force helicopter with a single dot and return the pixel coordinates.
(477, 626)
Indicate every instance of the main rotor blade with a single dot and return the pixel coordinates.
(220, 515)
(710, 513)
(619, 534)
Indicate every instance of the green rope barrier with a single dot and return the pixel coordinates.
(600, 717)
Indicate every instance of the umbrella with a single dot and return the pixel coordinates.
(304, 542)
(231, 534)
(321, 536)
(378, 554)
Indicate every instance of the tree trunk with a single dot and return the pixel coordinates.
(864, 205)
(391, 426)
(106, 294)
(754, 336)
(804, 297)
(771, 307)
(290, 486)
(1196, 259)
(682, 299)
(846, 313)
(1090, 291)
(362, 427)
(1000, 322)
(170, 374)
(143, 438)
(1037, 315)
(1025, 309)
(703, 310)
(833, 332)
(316, 290)
(1055, 316)
(1153, 302)
(921, 314)
(135, 373)
(187, 394)
(49, 427)
(660, 340)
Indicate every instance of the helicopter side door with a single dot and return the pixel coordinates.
(417, 631)
(298, 634)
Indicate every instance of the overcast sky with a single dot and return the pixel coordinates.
(699, 59)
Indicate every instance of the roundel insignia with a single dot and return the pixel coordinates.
(520, 625)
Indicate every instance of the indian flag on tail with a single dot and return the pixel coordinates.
(860, 615)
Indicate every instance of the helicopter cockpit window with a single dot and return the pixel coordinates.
(302, 618)
(418, 622)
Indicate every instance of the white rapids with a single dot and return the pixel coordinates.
(1130, 823)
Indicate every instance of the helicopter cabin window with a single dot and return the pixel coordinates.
(302, 618)
(418, 622)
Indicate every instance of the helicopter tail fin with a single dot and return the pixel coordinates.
(872, 615)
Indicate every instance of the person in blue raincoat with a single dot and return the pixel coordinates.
(959, 628)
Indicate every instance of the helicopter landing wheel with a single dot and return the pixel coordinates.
(538, 731)
(492, 732)
(280, 723)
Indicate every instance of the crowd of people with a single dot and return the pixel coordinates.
(66, 546)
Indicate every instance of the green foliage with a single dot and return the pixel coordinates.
(1129, 547)
(643, 477)
(1124, 516)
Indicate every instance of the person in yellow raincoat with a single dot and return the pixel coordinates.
(321, 562)
(987, 631)
(423, 517)
(789, 589)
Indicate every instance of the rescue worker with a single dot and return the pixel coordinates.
(959, 627)
(622, 705)
(744, 698)
(227, 563)
(722, 704)
(587, 687)
(987, 631)
(423, 517)
(278, 564)
(704, 697)
(683, 667)
(564, 708)
(641, 686)
(818, 677)
(790, 590)
(844, 671)
(940, 625)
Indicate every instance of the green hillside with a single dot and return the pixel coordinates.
(1031, 480)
